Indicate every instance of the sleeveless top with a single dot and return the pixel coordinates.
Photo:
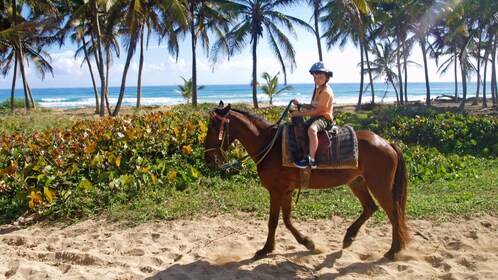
(323, 96)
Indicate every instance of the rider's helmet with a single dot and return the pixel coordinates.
(320, 67)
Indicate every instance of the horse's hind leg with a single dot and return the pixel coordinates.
(360, 189)
(286, 210)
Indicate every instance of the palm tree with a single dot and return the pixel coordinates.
(271, 86)
(383, 64)
(350, 21)
(258, 18)
(26, 29)
(205, 17)
(317, 5)
(187, 89)
(78, 29)
(138, 14)
(424, 15)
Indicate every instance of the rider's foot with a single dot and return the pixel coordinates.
(302, 163)
(313, 163)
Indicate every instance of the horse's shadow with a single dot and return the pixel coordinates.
(290, 268)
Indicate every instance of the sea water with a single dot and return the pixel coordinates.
(344, 93)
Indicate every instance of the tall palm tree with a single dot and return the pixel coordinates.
(205, 17)
(271, 87)
(317, 5)
(137, 14)
(350, 21)
(258, 18)
(27, 28)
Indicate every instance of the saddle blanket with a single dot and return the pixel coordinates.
(337, 148)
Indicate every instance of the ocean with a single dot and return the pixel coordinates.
(344, 93)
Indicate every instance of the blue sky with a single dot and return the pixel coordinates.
(162, 69)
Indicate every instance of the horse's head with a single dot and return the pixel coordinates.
(217, 138)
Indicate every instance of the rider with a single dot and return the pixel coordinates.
(319, 110)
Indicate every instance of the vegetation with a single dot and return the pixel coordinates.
(149, 165)
(459, 36)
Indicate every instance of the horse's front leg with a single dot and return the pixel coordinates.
(275, 204)
(287, 215)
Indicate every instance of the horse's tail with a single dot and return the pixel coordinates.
(399, 193)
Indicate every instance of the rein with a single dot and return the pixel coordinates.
(244, 158)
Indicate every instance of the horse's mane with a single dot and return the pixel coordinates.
(251, 115)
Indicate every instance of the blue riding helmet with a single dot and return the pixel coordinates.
(320, 67)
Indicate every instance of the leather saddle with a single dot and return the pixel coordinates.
(337, 146)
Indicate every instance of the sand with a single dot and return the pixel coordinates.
(221, 247)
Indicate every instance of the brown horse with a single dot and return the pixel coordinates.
(381, 173)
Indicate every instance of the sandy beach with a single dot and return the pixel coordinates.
(221, 247)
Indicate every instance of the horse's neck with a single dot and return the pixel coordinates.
(253, 134)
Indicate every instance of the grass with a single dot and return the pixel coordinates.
(438, 201)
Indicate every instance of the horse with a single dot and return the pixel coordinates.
(381, 174)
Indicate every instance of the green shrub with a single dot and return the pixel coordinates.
(449, 133)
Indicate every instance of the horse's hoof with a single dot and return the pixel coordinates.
(260, 254)
(310, 245)
(347, 242)
(390, 255)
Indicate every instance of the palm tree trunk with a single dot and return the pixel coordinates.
(31, 99)
(426, 70)
(317, 30)
(23, 76)
(464, 81)
(405, 67)
(455, 72)
(370, 74)
(254, 82)
(94, 84)
(194, 59)
(123, 80)
(99, 55)
(13, 89)
(493, 73)
(362, 79)
(140, 70)
(398, 64)
(478, 87)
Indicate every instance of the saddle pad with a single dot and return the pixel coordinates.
(337, 148)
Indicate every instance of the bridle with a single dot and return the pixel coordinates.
(225, 120)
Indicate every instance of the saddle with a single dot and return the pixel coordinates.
(337, 146)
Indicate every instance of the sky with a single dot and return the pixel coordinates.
(163, 69)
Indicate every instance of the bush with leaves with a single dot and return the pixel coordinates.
(122, 154)
(449, 133)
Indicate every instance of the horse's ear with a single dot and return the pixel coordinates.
(221, 105)
(224, 111)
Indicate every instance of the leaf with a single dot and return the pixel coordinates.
(85, 184)
(118, 161)
(194, 172)
(90, 148)
(48, 194)
(172, 176)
